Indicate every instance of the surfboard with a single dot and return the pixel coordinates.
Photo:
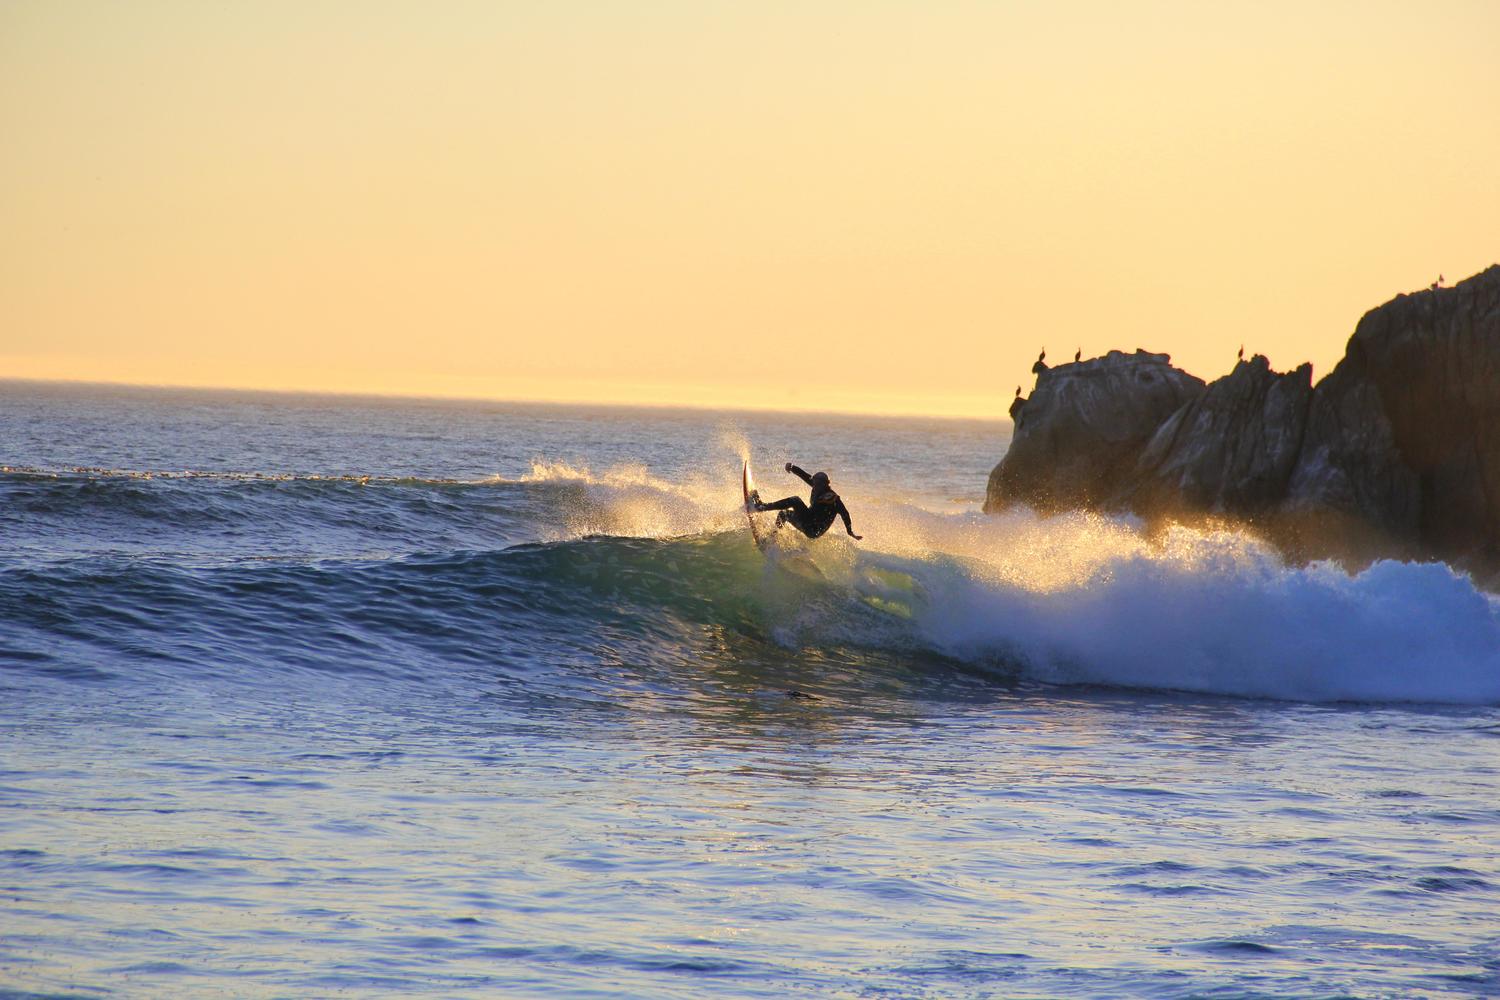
(793, 558)
(747, 481)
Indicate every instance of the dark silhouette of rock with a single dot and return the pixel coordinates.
(1351, 491)
(1405, 432)
(1395, 452)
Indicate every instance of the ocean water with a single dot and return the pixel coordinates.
(308, 696)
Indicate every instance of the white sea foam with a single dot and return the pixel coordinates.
(1088, 599)
(1213, 614)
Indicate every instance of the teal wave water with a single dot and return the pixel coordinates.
(301, 696)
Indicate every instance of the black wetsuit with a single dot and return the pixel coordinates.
(812, 520)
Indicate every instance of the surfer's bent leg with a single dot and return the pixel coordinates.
(794, 511)
(795, 519)
(794, 504)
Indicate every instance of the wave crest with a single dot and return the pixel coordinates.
(626, 500)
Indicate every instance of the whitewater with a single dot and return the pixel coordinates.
(315, 695)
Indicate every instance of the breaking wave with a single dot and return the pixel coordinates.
(405, 576)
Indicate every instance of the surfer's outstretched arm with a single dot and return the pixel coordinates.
(794, 470)
(844, 513)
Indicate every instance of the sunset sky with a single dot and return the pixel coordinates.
(852, 205)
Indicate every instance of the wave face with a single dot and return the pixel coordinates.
(120, 572)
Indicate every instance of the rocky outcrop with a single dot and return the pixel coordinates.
(1405, 431)
(1079, 434)
(1350, 476)
(1399, 446)
(1230, 451)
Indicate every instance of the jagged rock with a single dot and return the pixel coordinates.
(1229, 451)
(1405, 432)
(1398, 448)
(1350, 475)
(1083, 428)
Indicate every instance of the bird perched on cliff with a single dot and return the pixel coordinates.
(1078, 355)
(1242, 352)
(1041, 363)
(1438, 283)
(1016, 406)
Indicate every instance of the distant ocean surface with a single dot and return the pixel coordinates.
(316, 696)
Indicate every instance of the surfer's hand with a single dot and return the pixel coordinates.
(789, 466)
(857, 538)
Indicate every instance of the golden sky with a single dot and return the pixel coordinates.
(869, 205)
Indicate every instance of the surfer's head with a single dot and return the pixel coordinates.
(821, 490)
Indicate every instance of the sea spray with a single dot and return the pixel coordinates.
(1089, 599)
(1236, 621)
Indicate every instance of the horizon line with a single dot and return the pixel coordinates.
(517, 400)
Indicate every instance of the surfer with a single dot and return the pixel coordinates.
(810, 519)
